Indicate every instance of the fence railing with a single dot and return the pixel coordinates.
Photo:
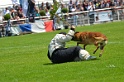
(86, 18)
(94, 17)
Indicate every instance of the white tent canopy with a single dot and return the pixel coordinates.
(6, 3)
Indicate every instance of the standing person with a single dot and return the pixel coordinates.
(6, 11)
(2, 34)
(1, 16)
(31, 10)
(85, 5)
(12, 13)
(91, 8)
(42, 7)
(70, 5)
(57, 52)
(31, 6)
(47, 12)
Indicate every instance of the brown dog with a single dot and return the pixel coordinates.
(87, 38)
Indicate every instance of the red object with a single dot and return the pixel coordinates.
(48, 25)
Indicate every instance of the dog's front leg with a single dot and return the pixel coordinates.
(85, 46)
(79, 43)
(97, 47)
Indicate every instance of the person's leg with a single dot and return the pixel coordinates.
(84, 55)
(65, 54)
(71, 54)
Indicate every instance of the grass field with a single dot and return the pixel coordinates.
(24, 58)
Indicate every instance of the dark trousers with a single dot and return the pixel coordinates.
(62, 55)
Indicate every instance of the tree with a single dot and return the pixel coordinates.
(55, 7)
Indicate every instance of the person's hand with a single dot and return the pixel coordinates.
(72, 28)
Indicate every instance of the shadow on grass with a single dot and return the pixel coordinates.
(70, 62)
(53, 63)
(49, 64)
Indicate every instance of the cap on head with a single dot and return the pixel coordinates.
(63, 33)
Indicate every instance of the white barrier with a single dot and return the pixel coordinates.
(99, 16)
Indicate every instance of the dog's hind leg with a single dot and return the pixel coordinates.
(101, 48)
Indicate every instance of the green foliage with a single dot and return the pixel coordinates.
(64, 10)
(24, 58)
(7, 17)
(55, 7)
(42, 13)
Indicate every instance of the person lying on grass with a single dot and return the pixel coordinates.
(57, 52)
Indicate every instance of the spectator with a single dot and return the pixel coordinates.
(31, 7)
(19, 8)
(111, 4)
(48, 6)
(76, 3)
(37, 13)
(74, 16)
(62, 5)
(42, 7)
(1, 25)
(47, 12)
(31, 10)
(73, 8)
(1, 16)
(70, 5)
(97, 4)
(6, 11)
(103, 5)
(79, 7)
(91, 8)
(85, 5)
(12, 13)
(117, 3)
(20, 14)
(106, 4)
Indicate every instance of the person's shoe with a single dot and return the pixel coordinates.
(91, 58)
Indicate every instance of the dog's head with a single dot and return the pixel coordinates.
(102, 45)
(76, 36)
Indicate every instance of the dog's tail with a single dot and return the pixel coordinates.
(100, 38)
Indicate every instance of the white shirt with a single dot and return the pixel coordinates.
(91, 8)
(59, 41)
(48, 13)
(1, 19)
(6, 12)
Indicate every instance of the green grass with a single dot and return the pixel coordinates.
(24, 58)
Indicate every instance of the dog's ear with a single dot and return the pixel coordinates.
(76, 32)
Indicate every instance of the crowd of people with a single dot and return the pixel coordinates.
(89, 5)
(15, 12)
(76, 5)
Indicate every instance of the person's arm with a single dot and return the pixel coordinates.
(68, 36)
